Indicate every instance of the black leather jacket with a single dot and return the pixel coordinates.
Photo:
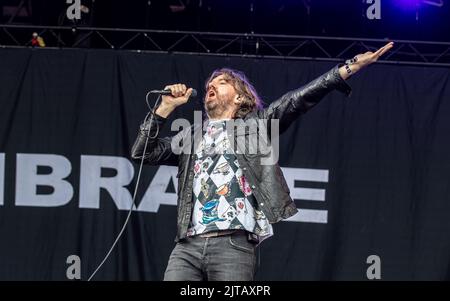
(267, 181)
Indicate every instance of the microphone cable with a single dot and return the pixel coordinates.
(150, 113)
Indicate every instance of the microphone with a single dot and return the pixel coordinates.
(168, 92)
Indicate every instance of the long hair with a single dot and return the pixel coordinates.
(251, 101)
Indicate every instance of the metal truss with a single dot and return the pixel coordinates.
(226, 44)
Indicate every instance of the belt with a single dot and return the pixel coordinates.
(217, 233)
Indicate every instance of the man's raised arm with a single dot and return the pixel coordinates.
(294, 103)
(159, 150)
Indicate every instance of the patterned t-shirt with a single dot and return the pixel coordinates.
(223, 199)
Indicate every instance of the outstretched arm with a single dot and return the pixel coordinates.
(294, 103)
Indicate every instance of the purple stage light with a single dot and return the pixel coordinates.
(407, 4)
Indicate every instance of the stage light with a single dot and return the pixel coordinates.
(438, 3)
(414, 4)
(407, 4)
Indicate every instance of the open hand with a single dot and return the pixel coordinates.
(364, 59)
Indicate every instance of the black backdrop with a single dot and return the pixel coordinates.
(385, 151)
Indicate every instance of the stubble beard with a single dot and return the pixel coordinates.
(216, 108)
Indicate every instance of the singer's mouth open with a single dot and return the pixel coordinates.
(211, 94)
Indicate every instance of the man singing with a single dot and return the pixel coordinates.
(227, 199)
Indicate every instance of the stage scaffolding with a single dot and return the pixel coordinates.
(252, 45)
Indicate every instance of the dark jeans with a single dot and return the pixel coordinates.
(224, 258)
